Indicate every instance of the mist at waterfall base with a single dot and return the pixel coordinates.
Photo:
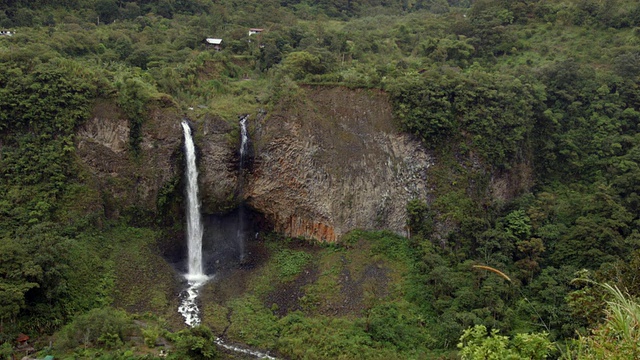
(226, 246)
(229, 245)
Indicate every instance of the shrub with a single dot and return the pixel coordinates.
(6, 351)
(195, 343)
(300, 63)
(477, 344)
(150, 335)
(618, 337)
(104, 327)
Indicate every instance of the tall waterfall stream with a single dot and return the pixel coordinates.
(196, 276)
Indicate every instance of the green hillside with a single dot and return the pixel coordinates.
(547, 89)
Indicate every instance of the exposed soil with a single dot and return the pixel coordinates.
(287, 296)
(348, 298)
(352, 289)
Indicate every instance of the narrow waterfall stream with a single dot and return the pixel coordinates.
(244, 141)
(244, 151)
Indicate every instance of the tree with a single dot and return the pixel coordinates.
(419, 219)
(107, 10)
(494, 113)
(165, 8)
(270, 56)
(299, 64)
(18, 274)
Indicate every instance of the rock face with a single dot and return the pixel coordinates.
(335, 161)
(217, 165)
(125, 180)
(329, 161)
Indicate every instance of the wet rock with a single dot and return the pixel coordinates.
(217, 165)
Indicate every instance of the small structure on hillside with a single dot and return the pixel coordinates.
(6, 33)
(23, 344)
(22, 339)
(258, 33)
(215, 43)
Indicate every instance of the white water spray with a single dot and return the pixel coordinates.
(195, 275)
(255, 353)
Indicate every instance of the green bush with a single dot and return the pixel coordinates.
(328, 338)
(393, 326)
(103, 327)
(151, 335)
(618, 336)
(301, 63)
(6, 351)
(194, 343)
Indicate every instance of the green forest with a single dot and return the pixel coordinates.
(550, 87)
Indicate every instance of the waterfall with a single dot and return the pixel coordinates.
(244, 150)
(244, 144)
(195, 275)
(194, 219)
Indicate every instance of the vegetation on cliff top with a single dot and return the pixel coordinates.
(489, 85)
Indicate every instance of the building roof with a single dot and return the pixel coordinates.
(213, 41)
(256, 30)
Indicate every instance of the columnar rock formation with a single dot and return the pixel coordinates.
(333, 162)
(218, 164)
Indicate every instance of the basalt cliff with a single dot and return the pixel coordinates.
(333, 161)
(325, 162)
